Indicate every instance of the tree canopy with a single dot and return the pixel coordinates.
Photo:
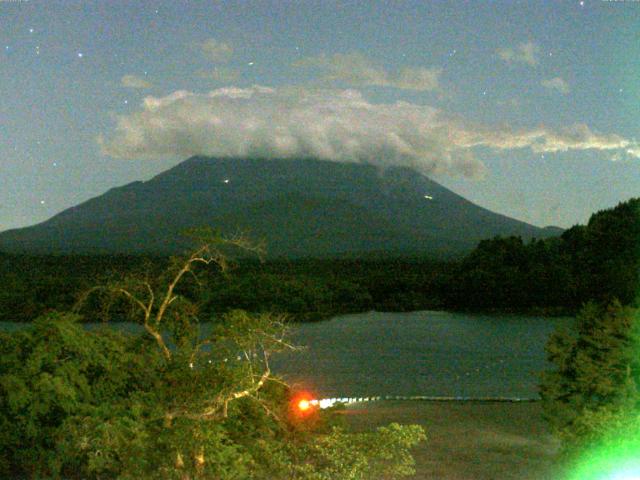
(175, 401)
(597, 368)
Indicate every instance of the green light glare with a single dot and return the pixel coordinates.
(631, 473)
(614, 459)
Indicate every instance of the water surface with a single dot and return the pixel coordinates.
(418, 353)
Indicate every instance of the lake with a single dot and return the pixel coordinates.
(418, 353)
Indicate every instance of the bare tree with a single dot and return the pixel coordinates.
(240, 339)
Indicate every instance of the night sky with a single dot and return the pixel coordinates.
(530, 109)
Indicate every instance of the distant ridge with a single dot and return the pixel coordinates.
(302, 208)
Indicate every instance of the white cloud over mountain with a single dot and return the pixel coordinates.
(338, 125)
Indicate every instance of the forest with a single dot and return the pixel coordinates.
(172, 402)
(597, 261)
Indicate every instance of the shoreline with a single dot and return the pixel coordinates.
(469, 440)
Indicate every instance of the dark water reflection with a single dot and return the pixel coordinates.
(420, 353)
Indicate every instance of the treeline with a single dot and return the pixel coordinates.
(305, 289)
(34, 285)
(598, 261)
(316, 289)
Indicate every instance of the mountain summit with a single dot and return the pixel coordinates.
(300, 207)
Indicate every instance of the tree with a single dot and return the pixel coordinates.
(49, 373)
(597, 374)
(605, 255)
(182, 400)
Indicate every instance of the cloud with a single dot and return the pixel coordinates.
(543, 139)
(580, 137)
(523, 53)
(131, 81)
(215, 51)
(556, 83)
(220, 74)
(357, 70)
(630, 154)
(634, 150)
(338, 125)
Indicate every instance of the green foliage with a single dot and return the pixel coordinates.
(170, 403)
(300, 295)
(596, 377)
(362, 456)
(34, 285)
(507, 274)
(51, 372)
(92, 404)
(610, 258)
(599, 261)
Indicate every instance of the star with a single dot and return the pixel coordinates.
(31, 30)
(582, 4)
(42, 202)
(80, 55)
(126, 102)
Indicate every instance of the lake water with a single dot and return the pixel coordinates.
(420, 353)
(417, 353)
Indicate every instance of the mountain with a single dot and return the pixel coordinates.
(300, 207)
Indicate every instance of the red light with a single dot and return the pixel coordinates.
(302, 404)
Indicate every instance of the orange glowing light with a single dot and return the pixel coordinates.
(304, 405)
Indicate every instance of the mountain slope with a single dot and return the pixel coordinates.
(301, 207)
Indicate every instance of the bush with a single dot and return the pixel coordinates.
(171, 403)
(596, 375)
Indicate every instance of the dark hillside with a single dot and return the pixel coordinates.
(302, 208)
